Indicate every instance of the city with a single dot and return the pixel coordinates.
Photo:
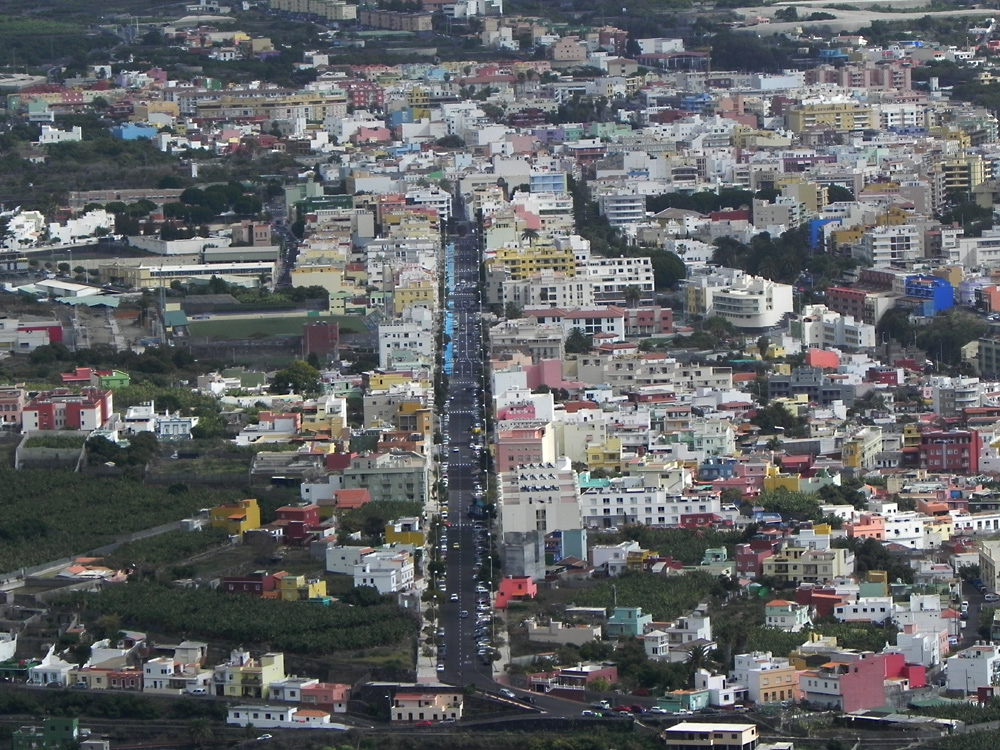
(494, 373)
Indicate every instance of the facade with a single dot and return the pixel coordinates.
(766, 679)
(689, 735)
(751, 302)
(410, 707)
(975, 667)
(62, 409)
(539, 497)
(787, 616)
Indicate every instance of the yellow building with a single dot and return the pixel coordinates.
(141, 111)
(862, 449)
(383, 380)
(328, 276)
(523, 262)
(607, 455)
(839, 116)
(420, 104)
(415, 293)
(236, 519)
(405, 531)
(245, 677)
(415, 416)
(299, 588)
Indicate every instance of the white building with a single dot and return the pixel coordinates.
(975, 667)
(280, 717)
(540, 497)
(751, 302)
(548, 289)
(825, 328)
(387, 570)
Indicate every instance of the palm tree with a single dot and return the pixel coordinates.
(700, 657)
(200, 731)
(633, 293)
(529, 235)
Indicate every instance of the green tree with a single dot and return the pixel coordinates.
(529, 235)
(200, 732)
(578, 342)
(512, 311)
(298, 377)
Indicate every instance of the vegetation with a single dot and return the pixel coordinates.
(69, 442)
(106, 705)
(970, 741)
(970, 713)
(664, 598)
(942, 338)
(263, 327)
(295, 627)
(370, 519)
(166, 548)
(684, 545)
(47, 515)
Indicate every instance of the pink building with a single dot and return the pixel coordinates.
(523, 445)
(869, 526)
(853, 681)
(331, 696)
(513, 589)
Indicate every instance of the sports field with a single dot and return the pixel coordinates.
(250, 328)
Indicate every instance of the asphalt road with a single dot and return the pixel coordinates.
(465, 413)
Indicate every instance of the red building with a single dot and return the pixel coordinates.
(847, 301)
(62, 409)
(255, 584)
(853, 681)
(956, 451)
(649, 321)
(750, 560)
(364, 94)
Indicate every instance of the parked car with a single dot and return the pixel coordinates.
(589, 713)
(508, 693)
(424, 723)
(991, 597)
(658, 710)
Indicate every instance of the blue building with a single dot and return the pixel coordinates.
(133, 131)
(935, 294)
(716, 468)
(547, 182)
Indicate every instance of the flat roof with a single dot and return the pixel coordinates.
(699, 726)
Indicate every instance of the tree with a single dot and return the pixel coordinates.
(298, 377)
(512, 311)
(632, 293)
(363, 596)
(763, 345)
(529, 235)
(200, 731)
(578, 342)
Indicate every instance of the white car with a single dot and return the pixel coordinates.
(991, 597)
(507, 693)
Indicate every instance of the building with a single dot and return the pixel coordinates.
(409, 707)
(396, 475)
(54, 734)
(766, 679)
(242, 676)
(954, 451)
(751, 302)
(237, 518)
(976, 667)
(854, 681)
(690, 735)
(539, 497)
(387, 570)
(63, 409)
(787, 616)
(801, 565)
(834, 115)
(813, 383)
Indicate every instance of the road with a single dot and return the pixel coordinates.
(468, 540)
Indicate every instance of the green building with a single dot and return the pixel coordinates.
(55, 733)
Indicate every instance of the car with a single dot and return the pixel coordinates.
(453, 598)
(658, 710)
(991, 597)
(637, 709)
(463, 614)
(963, 616)
(446, 721)
(600, 704)
(507, 693)
(589, 713)
(965, 606)
(622, 709)
(78, 685)
(424, 723)
(457, 545)
(264, 737)
(952, 640)
(683, 712)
